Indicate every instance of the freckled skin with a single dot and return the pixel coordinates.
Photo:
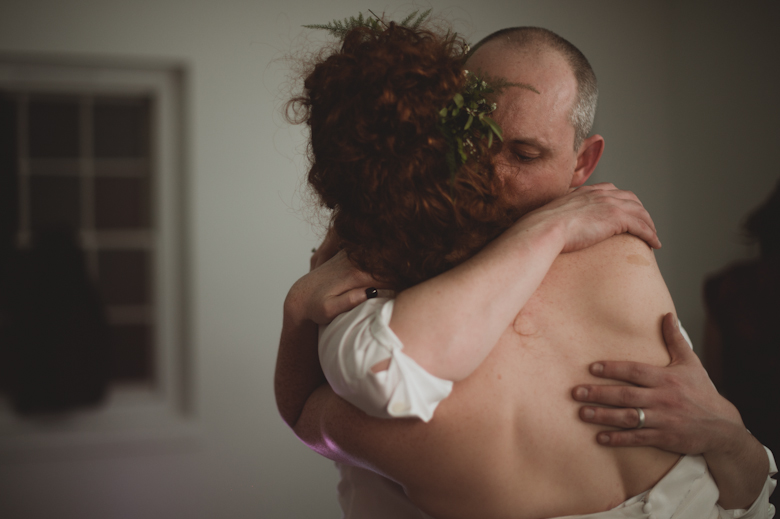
(508, 441)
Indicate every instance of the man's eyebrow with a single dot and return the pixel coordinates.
(502, 83)
(527, 140)
(525, 86)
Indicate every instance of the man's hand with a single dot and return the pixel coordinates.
(680, 403)
(591, 214)
(683, 413)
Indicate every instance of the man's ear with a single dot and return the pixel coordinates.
(587, 158)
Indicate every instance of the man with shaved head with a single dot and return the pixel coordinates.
(511, 439)
(537, 40)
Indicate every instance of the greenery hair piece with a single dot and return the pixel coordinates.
(340, 28)
(465, 120)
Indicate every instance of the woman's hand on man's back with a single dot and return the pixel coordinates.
(331, 288)
(591, 214)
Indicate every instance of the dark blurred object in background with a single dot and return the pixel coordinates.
(55, 337)
(742, 338)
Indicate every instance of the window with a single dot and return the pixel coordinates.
(94, 151)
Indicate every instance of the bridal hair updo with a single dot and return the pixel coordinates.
(378, 158)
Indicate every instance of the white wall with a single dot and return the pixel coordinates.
(725, 137)
(688, 108)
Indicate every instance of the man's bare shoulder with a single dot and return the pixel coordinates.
(618, 250)
(616, 282)
(621, 259)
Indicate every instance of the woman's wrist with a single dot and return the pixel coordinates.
(538, 233)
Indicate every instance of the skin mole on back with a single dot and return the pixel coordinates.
(636, 259)
(523, 325)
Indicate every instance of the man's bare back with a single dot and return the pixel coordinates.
(508, 442)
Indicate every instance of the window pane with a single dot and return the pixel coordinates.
(124, 277)
(132, 352)
(54, 202)
(121, 203)
(121, 127)
(54, 127)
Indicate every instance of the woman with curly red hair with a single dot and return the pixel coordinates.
(506, 442)
(378, 155)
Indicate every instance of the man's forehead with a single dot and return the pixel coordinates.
(540, 109)
(527, 64)
(487, 58)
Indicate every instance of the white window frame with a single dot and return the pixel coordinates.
(132, 414)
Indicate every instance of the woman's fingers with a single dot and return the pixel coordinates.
(632, 216)
(626, 201)
(334, 287)
(644, 228)
(339, 275)
(338, 304)
(592, 214)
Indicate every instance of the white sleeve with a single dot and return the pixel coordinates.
(357, 340)
(761, 507)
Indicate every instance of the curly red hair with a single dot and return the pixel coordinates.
(378, 157)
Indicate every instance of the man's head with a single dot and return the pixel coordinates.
(545, 120)
(584, 109)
